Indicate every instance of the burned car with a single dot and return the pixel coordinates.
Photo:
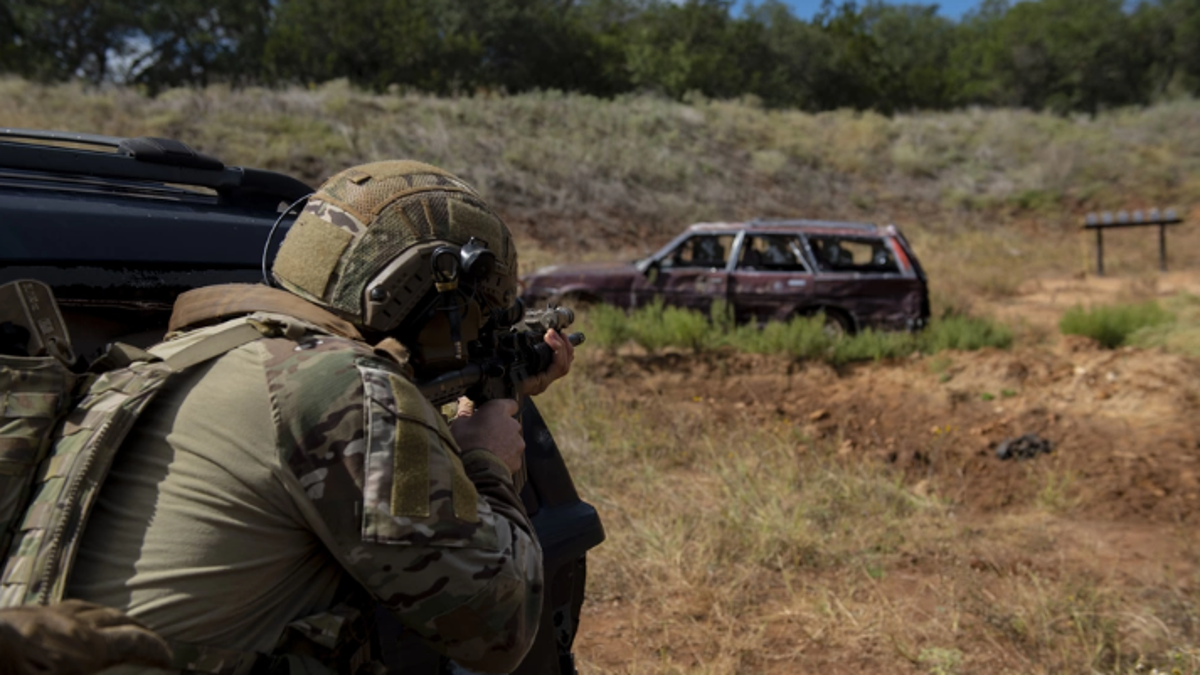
(859, 275)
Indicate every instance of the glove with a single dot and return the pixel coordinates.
(75, 638)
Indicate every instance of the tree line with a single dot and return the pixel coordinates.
(1061, 55)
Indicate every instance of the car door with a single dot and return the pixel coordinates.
(771, 279)
(861, 275)
(692, 274)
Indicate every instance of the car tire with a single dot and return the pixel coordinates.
(837, 325)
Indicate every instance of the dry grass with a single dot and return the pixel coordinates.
(742, 547)
(745, 547)
(990, 199)
(640, 167)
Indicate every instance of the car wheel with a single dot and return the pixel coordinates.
(837, 325)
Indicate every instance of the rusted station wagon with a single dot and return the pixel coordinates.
(859, 275)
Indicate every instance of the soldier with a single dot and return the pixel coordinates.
(271, 495)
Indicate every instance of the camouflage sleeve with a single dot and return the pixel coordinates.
(438, 536)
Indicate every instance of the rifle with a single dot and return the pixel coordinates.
(508, 355)
(502, 359)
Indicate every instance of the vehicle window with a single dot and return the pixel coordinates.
(702, 250)
(772, 252)
(845, 254)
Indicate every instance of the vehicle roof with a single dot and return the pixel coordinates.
(793, 225)
(146, 167)
(133, 222)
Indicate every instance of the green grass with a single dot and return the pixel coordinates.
(1113, 325)
(657, 327)
(964, 333)
(1182, 335)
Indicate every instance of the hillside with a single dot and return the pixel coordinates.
(772, 515)
(1001, 192)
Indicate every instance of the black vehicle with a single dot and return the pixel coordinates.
(120, 227)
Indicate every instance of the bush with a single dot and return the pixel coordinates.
(656, 326)
(802, 337)
(607, 326)
(964, 333)
(685, 328)
(1181, 335)
(1113, 325)
(873, 345)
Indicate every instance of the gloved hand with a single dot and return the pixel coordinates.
(564, 356)
(491, 427)
(74, 638)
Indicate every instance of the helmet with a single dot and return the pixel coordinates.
(375, 240)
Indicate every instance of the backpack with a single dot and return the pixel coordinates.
(59, 433)
(35, 392)
(60, 430)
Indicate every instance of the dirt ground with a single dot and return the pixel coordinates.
(1123, 472)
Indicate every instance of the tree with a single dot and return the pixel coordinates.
(58, 39)
(373, 43)
(1064, 55)
(798, 56)
(913, 45)
(857, 73)
(537, 44)
(13, 47)
(1171, 30)
(196, 41)
(1060, 54)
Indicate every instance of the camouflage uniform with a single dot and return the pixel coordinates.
(362, 478)
(260, 493)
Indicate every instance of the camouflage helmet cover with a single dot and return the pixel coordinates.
(361, 247)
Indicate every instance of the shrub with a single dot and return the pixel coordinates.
(964, 333)
(1181, 335)
(873, 345)
(686, 328)
(656, 326)
(607, 326)
(802, 337)
(1113, 325)
(647, 327)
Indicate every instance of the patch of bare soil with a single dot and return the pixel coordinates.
(1114, 501)
(1120, 421)
(1041, 302)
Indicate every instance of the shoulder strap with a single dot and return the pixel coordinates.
(213, 346)
(210, 304)
(69, 478)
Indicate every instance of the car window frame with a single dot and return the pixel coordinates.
(884, 238)
(730, 258)
(805, 253)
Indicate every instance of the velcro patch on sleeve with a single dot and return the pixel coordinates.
(410, 470)
(415, 487)
(411, 478)
(311, 253)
